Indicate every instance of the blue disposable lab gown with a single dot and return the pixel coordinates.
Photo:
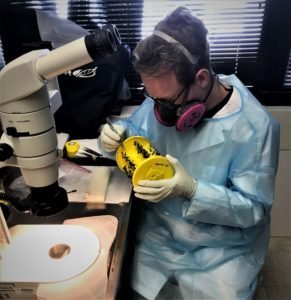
(215, 244)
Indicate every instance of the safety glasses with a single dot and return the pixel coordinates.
(164, 101)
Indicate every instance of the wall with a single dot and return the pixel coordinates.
(281, 211)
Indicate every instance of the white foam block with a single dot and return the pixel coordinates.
(98, 184)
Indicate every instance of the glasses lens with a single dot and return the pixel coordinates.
(168, 103)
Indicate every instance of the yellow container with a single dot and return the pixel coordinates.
(72, 148)
(140, 160)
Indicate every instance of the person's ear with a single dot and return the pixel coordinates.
(202, 77)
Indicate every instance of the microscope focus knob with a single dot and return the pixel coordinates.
(12, 131)
(6, 151)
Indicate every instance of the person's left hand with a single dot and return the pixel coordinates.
(180, 185)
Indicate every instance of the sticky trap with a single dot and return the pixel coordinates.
(140, 160)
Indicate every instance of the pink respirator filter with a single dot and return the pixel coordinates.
(190, 117)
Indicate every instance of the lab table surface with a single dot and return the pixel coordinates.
(118, 252)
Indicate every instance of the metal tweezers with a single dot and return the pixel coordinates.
(114, 129)
(88, 152)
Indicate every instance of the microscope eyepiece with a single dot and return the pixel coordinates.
(115, 33)
(100, 44)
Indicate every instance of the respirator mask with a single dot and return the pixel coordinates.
(185, 115)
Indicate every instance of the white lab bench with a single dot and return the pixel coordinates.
(116, 284)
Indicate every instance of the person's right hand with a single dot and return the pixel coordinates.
(110, 140)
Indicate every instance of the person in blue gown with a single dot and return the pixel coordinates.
(204, 232)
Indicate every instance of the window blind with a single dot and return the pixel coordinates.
(48, 5)
(287, 81)
(234, 26)
(240, 32)
(2, 62)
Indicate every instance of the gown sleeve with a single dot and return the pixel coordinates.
(247, 198)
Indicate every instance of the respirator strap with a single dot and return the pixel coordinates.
(184, 103)
(171, 40)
